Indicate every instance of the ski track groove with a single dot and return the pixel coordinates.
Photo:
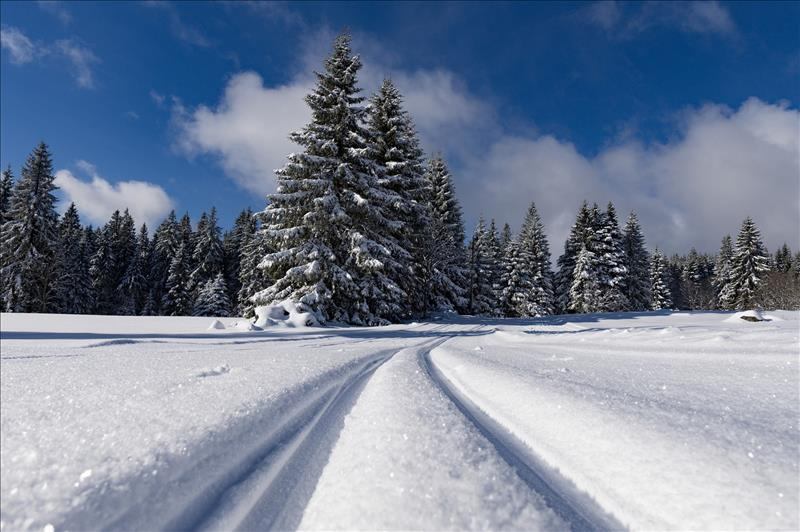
(576, 508)
(262, 492)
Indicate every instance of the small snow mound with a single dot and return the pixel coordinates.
(285, 314)
(754, 315)
(212, 372)
(478, 348)
(216, 324)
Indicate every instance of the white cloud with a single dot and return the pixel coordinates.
(628, 20)
(19, 46)
(97, 198)
(183, 31)
(22, 50)
(248, 130)
(725, 165)
(157, 98)
(708, 17)
(81, 60)
(56, 9)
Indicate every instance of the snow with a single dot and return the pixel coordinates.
(651, 420)
(286, 314)
(757, 315)
(216, 324)
(420, 463)
(694, 428)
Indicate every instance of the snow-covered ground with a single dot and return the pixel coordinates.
(643, 421)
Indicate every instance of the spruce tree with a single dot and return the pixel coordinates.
(74, 283)
(637, 264)
(327, 221)
(783, 259)
(584, 292)
(178, 298)
(722, 277)
(133, 287)
(483, 270)
(505, 238)
(28, 275)
(208, 254)
(581, 235)
(494, 266)
(748, 267)
(6, 189)
(88, 250)
(212, 299)
(445, 276)
(252, 278)
(394, 149)
(660, 297)
(611, 269)
(516, 281)
(535, 254)
(232, 248)
(166, 241)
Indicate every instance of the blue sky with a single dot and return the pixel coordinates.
(687, 113)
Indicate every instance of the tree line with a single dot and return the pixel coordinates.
(55, 264)
(364, 230)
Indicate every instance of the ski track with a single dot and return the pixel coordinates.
(268, 484)
(576, 508)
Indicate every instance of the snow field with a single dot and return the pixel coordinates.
(692, 426)
(95, 431)
(649, 420)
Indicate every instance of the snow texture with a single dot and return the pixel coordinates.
(652, 420)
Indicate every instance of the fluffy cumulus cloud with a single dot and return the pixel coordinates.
(248, 129)
(98, 198)
(725, 164)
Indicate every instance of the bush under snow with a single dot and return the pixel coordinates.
(286, 314)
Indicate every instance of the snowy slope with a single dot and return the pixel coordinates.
(644, 420)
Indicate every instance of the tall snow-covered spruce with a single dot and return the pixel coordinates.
(394, 149)
(445, 276)
(749, 265)
(484, 291)
(528, 284)
(581, 235)
(660, 297)
(6, 188)
(612, 272)
(29, 236)
(637, 264)
(74, 284)
(330, 222)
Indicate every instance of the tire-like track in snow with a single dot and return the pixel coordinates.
(268, 489)
(576, 508)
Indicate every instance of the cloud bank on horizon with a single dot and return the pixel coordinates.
(97, 198)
